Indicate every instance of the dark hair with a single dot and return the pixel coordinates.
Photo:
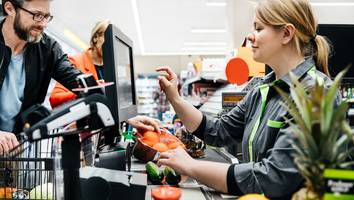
(14, 2)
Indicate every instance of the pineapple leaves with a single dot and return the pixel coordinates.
(347, 165)
(321, 131)
(329, 102)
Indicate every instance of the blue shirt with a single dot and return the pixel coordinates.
(12, 92)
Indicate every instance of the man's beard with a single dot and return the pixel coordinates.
(24, 33)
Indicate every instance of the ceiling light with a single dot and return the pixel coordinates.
(220, 4)
(205, 44)
(203, 49)
(138, 26)
(183, 53)
(332, 4)
(75, 39)
(208, 31)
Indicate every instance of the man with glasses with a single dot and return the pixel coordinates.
(28, 60)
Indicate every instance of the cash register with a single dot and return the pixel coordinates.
(117, 103)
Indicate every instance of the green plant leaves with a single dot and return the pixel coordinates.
(320, 128)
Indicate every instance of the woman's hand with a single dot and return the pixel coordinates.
(145, 123)
(168, 83)
(178, 159)
(8, 141)
(202, 171)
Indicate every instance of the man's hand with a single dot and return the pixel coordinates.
(7, 142)
(145, 123)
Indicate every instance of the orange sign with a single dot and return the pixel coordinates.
(237, 71)
(256, 68)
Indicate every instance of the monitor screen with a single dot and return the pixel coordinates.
(342, 39)
(124, 85)
(119, 68)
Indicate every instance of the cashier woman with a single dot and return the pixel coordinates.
(285, 38)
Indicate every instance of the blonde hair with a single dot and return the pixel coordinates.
(98, 29)
(278, 13)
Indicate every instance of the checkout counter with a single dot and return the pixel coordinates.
(190, 188)
(96, 182)
(91, 113)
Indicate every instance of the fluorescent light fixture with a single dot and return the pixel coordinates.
(138, 26)
(219, 4)
(203, 49)
(332, 3)
(183, 53)
(205, 44)
(208, 31)
(75, 39)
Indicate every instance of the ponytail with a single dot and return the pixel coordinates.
(321, 53)
(300, 14)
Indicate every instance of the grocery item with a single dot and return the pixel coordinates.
(253, 197)
(44, 191)
(154, 173)
(151, 137)
(20, 194)
(146, 148)
(171, 176)
(6, 192)
(160, 147)
(166, 193)
(193, 145)
(147, 142)
(173, 145)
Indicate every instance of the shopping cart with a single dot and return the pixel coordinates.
(36, 169)
(28, 171)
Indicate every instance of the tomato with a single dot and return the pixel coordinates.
(160, 147)
(166, 193)
(173, 145)
(147, 142)
(152, 137)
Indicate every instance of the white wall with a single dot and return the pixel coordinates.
(240, 20)
(147, 64)
(334, 14)
(241, 14)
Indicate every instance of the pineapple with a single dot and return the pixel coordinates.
(321, 131)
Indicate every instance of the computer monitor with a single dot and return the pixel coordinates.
(342, 38)
(119, 68)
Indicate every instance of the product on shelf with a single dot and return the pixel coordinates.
(151, 101)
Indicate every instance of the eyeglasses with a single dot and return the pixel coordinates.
(38, 17)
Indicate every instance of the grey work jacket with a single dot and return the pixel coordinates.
(272, 170)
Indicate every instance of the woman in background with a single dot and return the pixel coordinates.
(89, 62)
